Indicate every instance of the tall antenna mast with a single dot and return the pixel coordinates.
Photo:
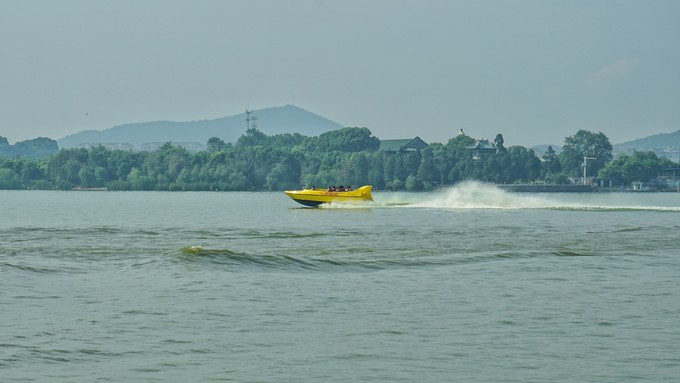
(248, 112)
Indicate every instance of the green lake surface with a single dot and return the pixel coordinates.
(468, 284)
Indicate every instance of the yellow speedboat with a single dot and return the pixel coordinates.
(315, 197)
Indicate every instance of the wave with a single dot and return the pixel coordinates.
(357, 205)
(635, 208)
(32, 269)
(477, 195)
(63, 232)
(240, 261)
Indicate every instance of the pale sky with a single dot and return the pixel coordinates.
(535, 71)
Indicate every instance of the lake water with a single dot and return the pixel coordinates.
(470, 284)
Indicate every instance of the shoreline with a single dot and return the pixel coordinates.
(512, 188)
(532, 188)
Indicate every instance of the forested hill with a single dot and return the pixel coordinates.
(656, 141)
(278, 120)
(36, 148)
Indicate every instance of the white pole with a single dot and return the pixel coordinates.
(585, 166)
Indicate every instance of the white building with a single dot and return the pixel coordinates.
(190, 146)
(108, 145)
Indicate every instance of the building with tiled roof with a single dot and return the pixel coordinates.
(403, 145)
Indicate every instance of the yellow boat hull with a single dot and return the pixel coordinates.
(315, 197)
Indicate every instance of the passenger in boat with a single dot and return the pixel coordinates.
(349, 188)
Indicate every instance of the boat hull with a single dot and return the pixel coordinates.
(313, 197)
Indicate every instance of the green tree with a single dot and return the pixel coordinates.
(461, 141)
(71, 171)
(411, 161)
(551, 166)
(344, 140)
(87, 177)
(8, 179)
(358, 169)
(498, 141)
(391, 165)
(640, 166)
(441, 161)
(375, 173)
(252, 137)
(585, 144)
(413, 183)
(427, 173)
(285, 140)
(215, 144)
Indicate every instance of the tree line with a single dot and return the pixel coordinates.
(348, 156)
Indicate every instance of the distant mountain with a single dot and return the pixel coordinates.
(662, 140)
(277, 120)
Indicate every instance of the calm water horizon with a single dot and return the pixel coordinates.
(467, 284)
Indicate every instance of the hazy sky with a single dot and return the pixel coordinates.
(535, 71)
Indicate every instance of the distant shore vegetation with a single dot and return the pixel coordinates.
(349, 156)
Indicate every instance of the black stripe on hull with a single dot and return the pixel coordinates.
(307, 202)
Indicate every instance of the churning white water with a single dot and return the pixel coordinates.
(477, 195)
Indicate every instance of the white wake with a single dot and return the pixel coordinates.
(477, 195)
